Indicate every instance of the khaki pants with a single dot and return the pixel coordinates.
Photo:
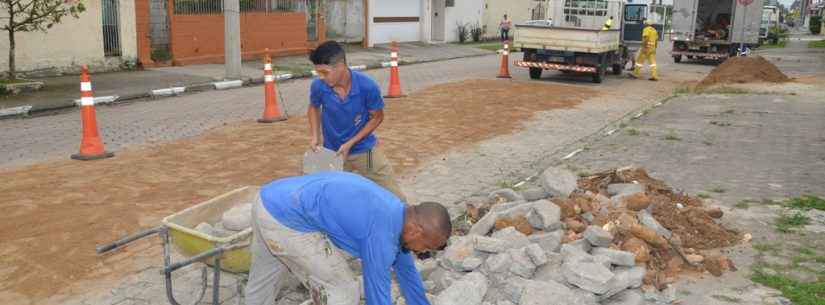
(374, 165)
(311, 257)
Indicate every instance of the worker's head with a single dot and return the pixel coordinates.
(505, 16)
(648, 22)
(330, 62)
(427, 227)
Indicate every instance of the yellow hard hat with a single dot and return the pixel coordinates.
(648, 22)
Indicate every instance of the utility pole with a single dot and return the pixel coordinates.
(232, 38)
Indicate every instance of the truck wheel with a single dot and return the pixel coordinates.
(599, 76)
(677, 58)
(535, 73)
(617, 69)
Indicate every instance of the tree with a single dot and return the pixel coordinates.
(34, 15)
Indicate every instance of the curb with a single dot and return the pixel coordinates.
(159, 93)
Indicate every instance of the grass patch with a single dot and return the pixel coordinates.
(703, 195)
(781, 44)
(787, 223)
(633, 132)
(13, 81)
(708, 143)
(672, 137)
(490, 46)
(807, 251)
(817, 44)
(799, 293)
(717, 190)
(807, 202)
(725, 298)
(720, 124)
(744, 204)
(766, 247)
(712, 90)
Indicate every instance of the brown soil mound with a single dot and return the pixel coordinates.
(740, 70)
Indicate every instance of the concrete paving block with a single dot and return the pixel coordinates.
(570, 252)
(545, 215)
(514, 238)
(647, 219)
(583, 297)
(536, 254)
(590, 276)
(616, 257)
(521, 264)
(551, 271)
(484, 225)
(624, 278)
(471, 263)
(550, 242)
(469, 290)
(12, 111)
(534, 193)
(459, 249)
(443, 278)
(602, 260)
(598, 237)
(426, 267)
(582, 244)
(491, 245)
(627, 297)
(497, 263)
(624, 189)
(504, 195)
(558, 182)
(543, 293)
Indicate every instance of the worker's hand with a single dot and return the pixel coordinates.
(343, 151)
(314, 145)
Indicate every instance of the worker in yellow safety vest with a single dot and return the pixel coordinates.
(608, 24)
(648, 51)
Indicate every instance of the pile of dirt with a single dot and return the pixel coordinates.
(740, 70)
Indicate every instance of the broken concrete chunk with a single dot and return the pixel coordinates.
(485, 224)
(469, 290)
(471, 263)
(582, 244)
(646, 219)
(590, 276)
(521, 264)
(459, 249)
(583, 297)
(443, 278)
(497, 263)
(536, 254)
(511, 289)
(238, 218)
(602, 260)
(558, 182)
(571, 252)
(545, 215)
(513, 237)
(426, 267)
(543, 293)
(551, 271)
(491, 245)
(624, 189)
(627, 297)
(549, 242)
(616, 257)
(598, 236)
(623, 279)
(535, 193)
(504, 195)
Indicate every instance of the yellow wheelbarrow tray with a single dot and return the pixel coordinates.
(229, 254)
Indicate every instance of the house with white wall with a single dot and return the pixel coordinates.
(103, 37)
(517, 10)
(431, 21)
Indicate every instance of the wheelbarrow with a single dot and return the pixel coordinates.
(228, 254)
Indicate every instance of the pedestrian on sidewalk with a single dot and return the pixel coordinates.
(505, 26)
(305, 224)
(346, 106)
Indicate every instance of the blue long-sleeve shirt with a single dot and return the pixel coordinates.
(359, 217)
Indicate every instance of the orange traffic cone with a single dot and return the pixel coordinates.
(91, 147)
(395, 83)
(272, 113)
(504, 72)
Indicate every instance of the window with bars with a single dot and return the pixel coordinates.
(207, 7)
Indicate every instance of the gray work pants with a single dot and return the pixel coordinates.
(320, 266)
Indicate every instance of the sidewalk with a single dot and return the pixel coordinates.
(60, 92)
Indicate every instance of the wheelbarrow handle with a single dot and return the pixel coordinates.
(123, 241)
(202, 256)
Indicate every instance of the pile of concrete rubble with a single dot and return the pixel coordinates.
(594, 240)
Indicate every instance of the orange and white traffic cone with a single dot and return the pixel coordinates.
(394, 90)
(91, 147)
(272, 113)
(504, 71)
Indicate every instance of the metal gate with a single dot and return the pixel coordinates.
(111, 28)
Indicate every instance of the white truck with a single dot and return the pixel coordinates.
(714, 29)
(575, 41)
(770, 19)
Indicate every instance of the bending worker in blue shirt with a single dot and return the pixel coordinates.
(304, 224)
(347, 107)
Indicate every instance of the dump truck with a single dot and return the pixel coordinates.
(714, 29)
(577, 41)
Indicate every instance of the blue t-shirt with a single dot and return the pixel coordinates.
(341, 119)
(359, 217)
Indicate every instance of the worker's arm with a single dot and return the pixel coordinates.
(410, 280)
(375, 106)
(314, 114)
(375, 261)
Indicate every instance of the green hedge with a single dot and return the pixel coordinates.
(816, 24)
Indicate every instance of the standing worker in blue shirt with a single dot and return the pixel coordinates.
(347, 107)
(302, 224)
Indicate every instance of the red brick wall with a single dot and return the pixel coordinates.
(144, 42)
(197, 39)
